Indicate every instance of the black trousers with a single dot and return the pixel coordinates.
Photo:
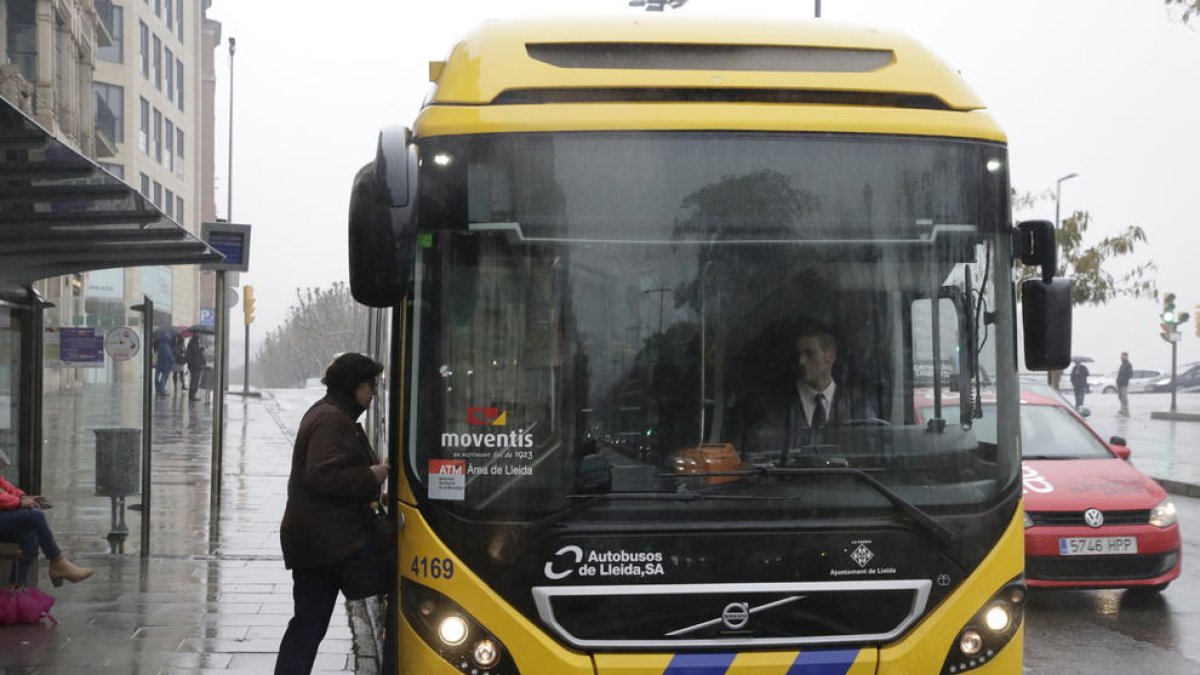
(315, 594)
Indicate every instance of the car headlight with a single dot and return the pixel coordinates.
(1163, 515)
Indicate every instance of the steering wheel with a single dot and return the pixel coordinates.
(867, 422)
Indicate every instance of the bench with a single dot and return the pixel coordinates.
(8, 559)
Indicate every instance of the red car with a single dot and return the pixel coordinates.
(1092, 520)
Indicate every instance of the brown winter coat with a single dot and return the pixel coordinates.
(328, 514)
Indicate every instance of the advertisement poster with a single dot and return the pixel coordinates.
(81, 347)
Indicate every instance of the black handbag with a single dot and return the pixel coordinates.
(371, 570)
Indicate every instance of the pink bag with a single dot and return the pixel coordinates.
(25, 605)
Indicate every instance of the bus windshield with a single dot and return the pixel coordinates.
(687, 313)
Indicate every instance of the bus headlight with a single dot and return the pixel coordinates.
(1163, 515)
(970, 642)
(485, 653)
(453, 633)
(452, 630)
(997, 618)
(989, 630)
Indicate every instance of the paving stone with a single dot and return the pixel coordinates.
(213, 596)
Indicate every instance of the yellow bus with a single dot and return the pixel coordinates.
(666, 300)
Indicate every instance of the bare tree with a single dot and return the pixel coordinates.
(324, 322)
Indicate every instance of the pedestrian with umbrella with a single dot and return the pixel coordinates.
(164, 360)
(179, 370)
(1079, 376)
(196, 363)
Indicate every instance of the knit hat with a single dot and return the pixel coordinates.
(350, 370)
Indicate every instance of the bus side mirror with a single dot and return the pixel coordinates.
(1035, 246)
(1046, 320)
(382, 224)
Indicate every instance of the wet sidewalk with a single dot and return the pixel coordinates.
(1166, 450)
(213, 595)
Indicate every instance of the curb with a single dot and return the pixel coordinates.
(1179, 488)
(1175, 416)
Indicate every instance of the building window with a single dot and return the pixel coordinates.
(114, 19)
(144, 127)
(169, 200)
(179, 210)
(179, 84)
(158, 136)
(158, 194)
(179, 19)
(171, 15)
(179, 152)
(157, 63)
(158, 8)
(117, 170)
(110, 110)
(144, 48)
(145, 185)
(170, 135)
(21, 34)
(169, 66)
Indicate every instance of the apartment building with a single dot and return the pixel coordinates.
(149, 132)
(122, 83)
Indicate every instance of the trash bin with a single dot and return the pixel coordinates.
(118, 462)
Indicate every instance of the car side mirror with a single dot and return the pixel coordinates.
(1046, 319)
(1117, 443)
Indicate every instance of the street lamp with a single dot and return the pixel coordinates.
(1057, 192)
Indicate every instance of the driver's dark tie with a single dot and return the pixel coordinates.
(818, 416)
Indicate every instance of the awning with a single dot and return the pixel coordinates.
(60, 213)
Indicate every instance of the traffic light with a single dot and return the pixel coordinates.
(248, 303)
(1197, 315)
(1165, 331)
(1168, 310)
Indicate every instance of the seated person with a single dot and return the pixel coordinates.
(23, 522)
(812, 400)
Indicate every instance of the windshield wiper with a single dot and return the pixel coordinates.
(1049, 457)
(926, 522)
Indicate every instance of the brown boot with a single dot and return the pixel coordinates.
(61, 568)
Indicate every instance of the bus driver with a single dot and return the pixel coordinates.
(817, 401)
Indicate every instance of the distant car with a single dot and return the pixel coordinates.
(1187, 377)
(1092, 520)
(1141, 380)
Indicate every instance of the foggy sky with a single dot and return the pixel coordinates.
(1108, 90)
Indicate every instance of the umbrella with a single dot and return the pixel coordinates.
(1082, 359)
(201, 328)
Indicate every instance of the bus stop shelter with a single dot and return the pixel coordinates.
(60, 213)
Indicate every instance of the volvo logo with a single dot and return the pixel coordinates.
(736, 615)
(1093, 517)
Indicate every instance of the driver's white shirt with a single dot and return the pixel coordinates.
(808, 399)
